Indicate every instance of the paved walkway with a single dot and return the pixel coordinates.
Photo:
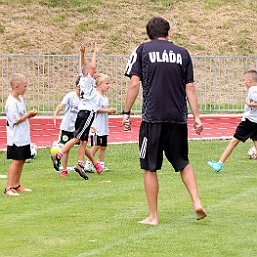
(43, 131)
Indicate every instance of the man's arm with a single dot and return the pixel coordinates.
(193, 102)
(133, 91)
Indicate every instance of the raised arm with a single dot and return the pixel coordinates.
(92, 66)
(82, 54)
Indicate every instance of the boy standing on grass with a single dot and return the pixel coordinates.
(100, 127)
(18, 134)
(70, 102)
(247, 128)
(87, 108)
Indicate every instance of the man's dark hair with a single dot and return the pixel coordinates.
(157, 27)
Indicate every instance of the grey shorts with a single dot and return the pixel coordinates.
(156, 138)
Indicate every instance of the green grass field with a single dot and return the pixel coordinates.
(70, 217)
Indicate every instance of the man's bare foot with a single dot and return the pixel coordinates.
(149, 221)
(200, 213)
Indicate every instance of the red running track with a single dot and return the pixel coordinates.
(43, 131)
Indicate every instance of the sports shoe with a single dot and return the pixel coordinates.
(88, 168)
(98, 167)
(216, 166)
(56, 162)
(64, 173)
(80, 170)
(107, 170)
(10, 192)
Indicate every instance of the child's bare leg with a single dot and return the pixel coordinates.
(14, 173)
(101, 153)
(69, 145)
(233, 143)
(65, 160)
(188, 177)
(89, 155)
(94, 149)
(81, 150)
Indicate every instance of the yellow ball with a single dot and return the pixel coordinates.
(56, 147)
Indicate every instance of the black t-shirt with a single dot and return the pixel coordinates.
(164, 70)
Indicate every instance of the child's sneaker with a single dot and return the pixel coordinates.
(88, 168)
(56, 162)
(107, 170)
(216, 166)
(64, 173)
(10, 192)
(80, 170)
(98, 167)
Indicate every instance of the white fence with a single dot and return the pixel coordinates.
(219, 80)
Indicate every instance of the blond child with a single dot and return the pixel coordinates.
(100, 129)
(18, 134)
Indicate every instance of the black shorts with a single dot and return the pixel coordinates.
(154, 138)
(246, 129)
(83, 123)
(65, 136)
(18, 152)
(98, 140)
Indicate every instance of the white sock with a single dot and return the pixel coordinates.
(102, 164)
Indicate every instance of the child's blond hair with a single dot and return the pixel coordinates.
(253, 74)
(16, 79)
(101, 78)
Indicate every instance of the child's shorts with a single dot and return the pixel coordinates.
(18, 152)
(83, 123)
(65, 136)
(98, 140)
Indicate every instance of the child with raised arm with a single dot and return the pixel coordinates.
(70, 102)
(18, 134)
(247, 128)
(100, 129)
(87, 108)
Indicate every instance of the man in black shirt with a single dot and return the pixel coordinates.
(166, 73)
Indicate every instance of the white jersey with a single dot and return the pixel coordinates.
(17, 134)
(71, 102)
(87, 89)
(101, 119)
(250, 113)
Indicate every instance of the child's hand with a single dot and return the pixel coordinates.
(93, 130)
(111, 110)
(96, 48)
(54, 118)
(32, 113)
(82, 48)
